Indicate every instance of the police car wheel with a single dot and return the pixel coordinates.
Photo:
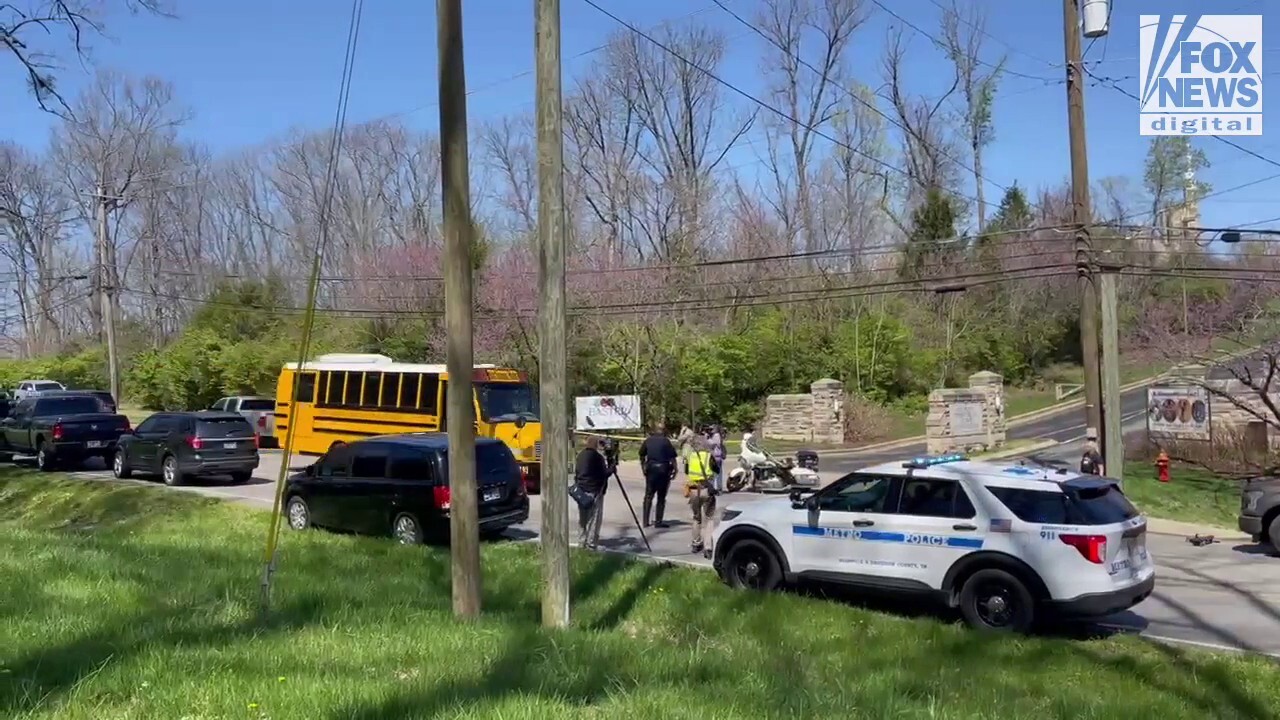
(996, 601)
(749, 565)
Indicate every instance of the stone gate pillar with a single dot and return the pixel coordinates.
(828, 411)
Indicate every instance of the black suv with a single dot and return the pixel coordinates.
(183, 445)
(399, 485)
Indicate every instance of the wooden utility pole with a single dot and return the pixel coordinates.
(1082, 213)
(107, 289)
(552, 340)
(464, 519)
(1113, 430)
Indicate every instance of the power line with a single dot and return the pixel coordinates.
(928, 286)
(938, 43)
(852, 95)
(752, 98)
(1114, 85)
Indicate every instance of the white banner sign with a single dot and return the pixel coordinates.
(1181, 412)
(608, 412)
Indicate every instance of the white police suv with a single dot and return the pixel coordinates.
(1003, 542)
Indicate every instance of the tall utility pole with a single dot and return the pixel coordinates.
(1112, 432)
(106, 288)
(1082, 212)
(552, 340)
(464, 517)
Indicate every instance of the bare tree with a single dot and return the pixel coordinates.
(44, 20)
(604, 134)
(963, 34)
(688, 126)
(33, 220)
(121, 136)
(810, 91)
(926, 146)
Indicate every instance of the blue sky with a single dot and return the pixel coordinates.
(251, 70)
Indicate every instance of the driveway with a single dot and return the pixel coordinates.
(1220, 596)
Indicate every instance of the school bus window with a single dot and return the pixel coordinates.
(430, 394)
(350, 388)
(409, 392)
(390, 391)
(372, 386)
(306, 387)
(325, 391)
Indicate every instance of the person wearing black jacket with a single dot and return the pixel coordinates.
(591, 474)
(658, 458)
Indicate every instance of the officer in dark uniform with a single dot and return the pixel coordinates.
(658, 458)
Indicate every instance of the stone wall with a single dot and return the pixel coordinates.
(816, 417)
(788, 417)
(967, 419)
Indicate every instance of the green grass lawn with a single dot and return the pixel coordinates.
(127, 602)
(1192, 495)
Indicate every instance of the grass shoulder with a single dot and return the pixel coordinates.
(136, 602)
(1192, 495)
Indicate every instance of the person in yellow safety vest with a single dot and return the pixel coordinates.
(701, 491)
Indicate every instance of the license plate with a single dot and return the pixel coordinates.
(1139, 552)
(94, 444)
(229, 446)
(491, 495)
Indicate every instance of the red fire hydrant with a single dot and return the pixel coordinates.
(1162, 467)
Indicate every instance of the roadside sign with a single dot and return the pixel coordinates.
(1178, 411)
(607, 412)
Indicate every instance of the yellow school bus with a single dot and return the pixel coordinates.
(344, 397)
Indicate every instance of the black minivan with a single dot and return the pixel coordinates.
(178, 446)
(399, 485)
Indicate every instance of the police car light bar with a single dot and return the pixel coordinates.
(924, 462)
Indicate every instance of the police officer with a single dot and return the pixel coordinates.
(1091, 458)
(658, 459)
(701, 493)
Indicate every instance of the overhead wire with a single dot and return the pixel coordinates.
(852, 95)
(308, 322)
(752, 98)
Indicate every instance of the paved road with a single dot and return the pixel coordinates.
(1065, 427)
(1220, 595)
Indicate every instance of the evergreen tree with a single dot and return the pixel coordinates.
(932, 221)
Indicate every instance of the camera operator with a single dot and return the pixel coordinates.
(658, 458)
(591, 475)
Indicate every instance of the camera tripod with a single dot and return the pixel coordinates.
(613, 470)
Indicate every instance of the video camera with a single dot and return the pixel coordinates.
(609, 448)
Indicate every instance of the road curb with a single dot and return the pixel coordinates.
(1018, 451)
(1176, 528)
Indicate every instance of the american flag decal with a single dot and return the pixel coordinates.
(1002, 526)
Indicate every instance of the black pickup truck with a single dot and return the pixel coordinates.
(61, 430)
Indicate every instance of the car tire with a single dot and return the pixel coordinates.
(297, 513)
(994, 600)
(1273, 534)
(750, 565)
(406, 529)
(44, 458)
(6, 457)
(170, 472)
(240, 478)
(120, 465)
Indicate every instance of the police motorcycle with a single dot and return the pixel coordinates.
(760, 471)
